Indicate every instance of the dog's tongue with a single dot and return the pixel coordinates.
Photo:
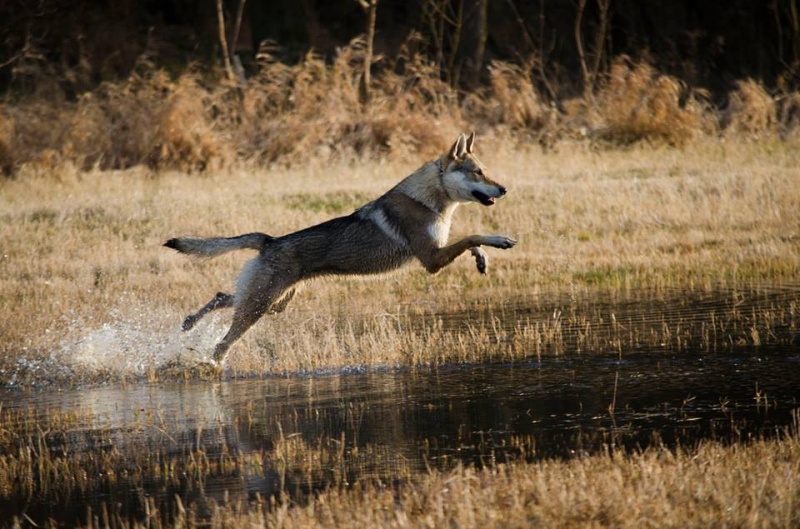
(484, 199)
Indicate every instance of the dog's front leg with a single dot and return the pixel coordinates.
(437, 258)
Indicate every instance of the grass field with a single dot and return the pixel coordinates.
(89, 295)
(86, 284)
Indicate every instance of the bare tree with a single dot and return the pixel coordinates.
(444, 23)
(371, 7)
(600, 39)
(590, 75)
(237, 64)
(539, 52)
(228, 59)
(472, 42)
(223, 41)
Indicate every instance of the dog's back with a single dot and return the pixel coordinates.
(351, 245)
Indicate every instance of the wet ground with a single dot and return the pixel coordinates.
(290, 436)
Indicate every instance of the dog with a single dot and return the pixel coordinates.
(411, 220)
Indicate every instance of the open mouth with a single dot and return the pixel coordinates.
(483, 198)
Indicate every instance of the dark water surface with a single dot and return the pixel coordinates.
(275, 436)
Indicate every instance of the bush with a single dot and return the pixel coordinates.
(636, 102)
(198, 120)
(751, 111)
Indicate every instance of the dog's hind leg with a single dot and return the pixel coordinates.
(249, 313)
(280, 305)
(220, 301)
(259, 292)
(245, 315)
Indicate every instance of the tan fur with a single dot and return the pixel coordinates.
(412, 220)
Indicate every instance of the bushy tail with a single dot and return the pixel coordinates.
(215, 246)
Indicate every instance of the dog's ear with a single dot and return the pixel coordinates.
(471, 142)
(459, 148)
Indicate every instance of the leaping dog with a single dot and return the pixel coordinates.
(411, 220)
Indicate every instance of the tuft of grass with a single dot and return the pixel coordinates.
(636, 102)
(510, 100)
(689, 488)
(751, 112)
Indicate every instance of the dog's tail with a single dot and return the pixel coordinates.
(215, 246)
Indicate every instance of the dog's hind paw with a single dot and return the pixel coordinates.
(481, 258)
(185, 367)
(189, 323)
(205, 370)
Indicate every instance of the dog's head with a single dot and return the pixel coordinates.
(465, 178)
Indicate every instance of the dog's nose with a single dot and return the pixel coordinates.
(502, 190)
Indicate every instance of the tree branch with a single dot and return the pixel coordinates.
(224, 42)
(371, 7)
(579, 45)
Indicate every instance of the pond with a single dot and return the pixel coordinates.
(127, 449)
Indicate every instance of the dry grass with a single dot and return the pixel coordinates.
(90, 293)
(637, 102)
(285, 114)
(510, 100)
(752, 484)
(751, 112)
(742, 486)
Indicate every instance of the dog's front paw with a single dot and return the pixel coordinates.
(481, 258)
(500, 241)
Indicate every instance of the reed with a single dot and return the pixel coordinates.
(47, 457)
(749, 486)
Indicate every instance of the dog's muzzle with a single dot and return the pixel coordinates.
(488, 200)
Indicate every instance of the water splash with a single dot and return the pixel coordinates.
(133, 342)
(136, 346)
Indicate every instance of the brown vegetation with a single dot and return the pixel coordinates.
(50, 458)
(638, 103)
(745, 486)
(195, 122)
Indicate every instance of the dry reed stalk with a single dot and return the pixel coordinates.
(48, 456)
(753, 485)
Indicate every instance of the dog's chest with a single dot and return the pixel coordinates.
(439, 231)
